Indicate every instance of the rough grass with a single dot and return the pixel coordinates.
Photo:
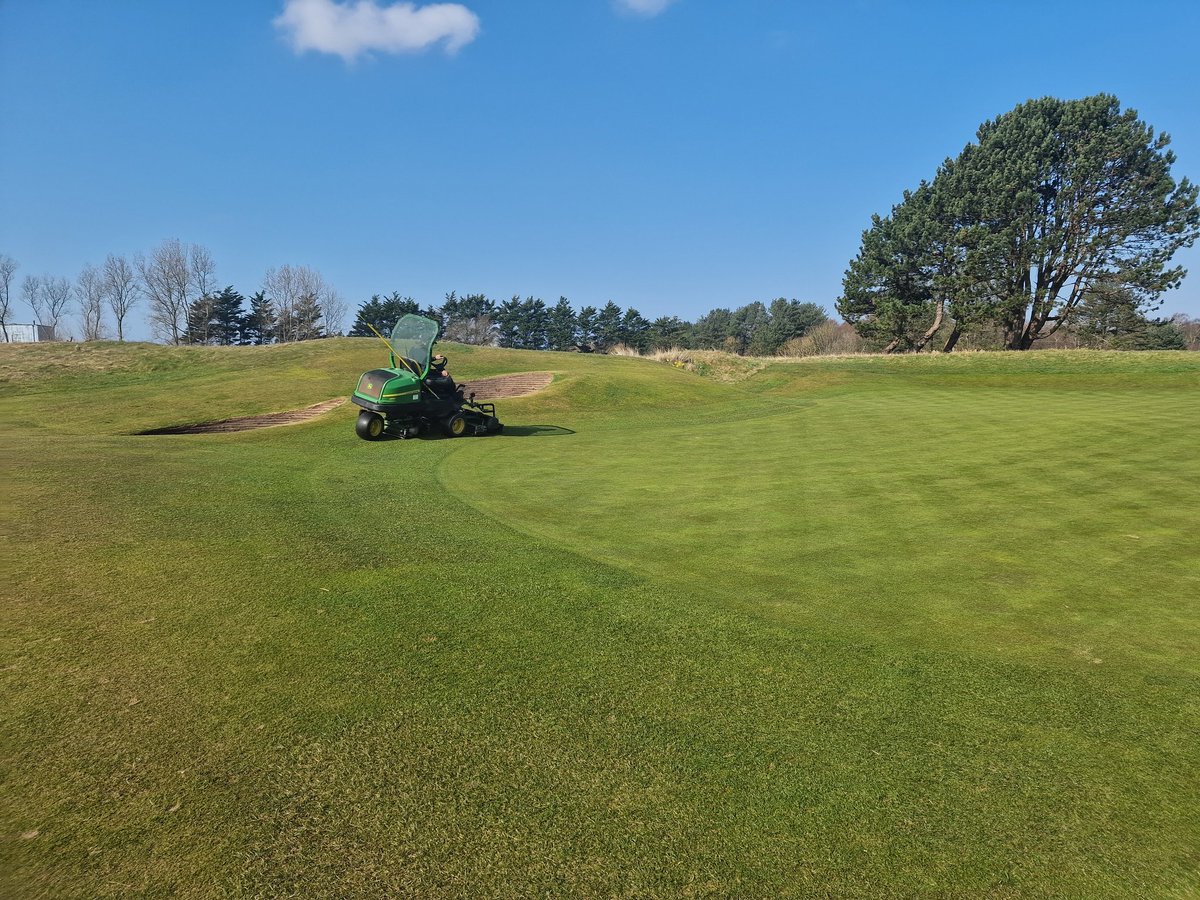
(848, 627)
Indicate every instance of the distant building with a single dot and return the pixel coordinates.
(27, 334)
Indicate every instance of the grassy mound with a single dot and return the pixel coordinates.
(852, 627)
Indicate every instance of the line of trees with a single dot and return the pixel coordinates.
(1106, 319)
(1061, 208)
(177, 283)
(532, 324)
(1059, 222)
(294, 304)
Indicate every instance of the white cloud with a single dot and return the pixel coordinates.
(644, 7)
(351, 28)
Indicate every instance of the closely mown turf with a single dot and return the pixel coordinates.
(848, 627)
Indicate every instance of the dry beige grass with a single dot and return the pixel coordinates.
(716, 364)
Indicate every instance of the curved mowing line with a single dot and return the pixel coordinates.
(248, 423)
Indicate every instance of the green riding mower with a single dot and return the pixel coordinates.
(412, 396)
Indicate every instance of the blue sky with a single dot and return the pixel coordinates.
(688, 155)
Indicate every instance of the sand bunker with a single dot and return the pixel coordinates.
(248, 423)
(504, 387)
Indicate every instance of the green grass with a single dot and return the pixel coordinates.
(851, 627)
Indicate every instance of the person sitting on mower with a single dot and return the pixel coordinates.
(439, 379)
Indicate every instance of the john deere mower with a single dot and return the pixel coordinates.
(412, 395)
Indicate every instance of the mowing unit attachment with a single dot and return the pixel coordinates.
(415, 394)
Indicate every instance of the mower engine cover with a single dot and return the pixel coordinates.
(388, 387)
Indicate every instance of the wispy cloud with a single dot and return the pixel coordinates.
(349, 29)
(645, 8)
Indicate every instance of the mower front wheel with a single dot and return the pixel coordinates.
(456, 425)
(369, 426)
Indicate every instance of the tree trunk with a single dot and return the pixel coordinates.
(1016, 336)
(933, 329)
(1015, 325)
(892, 346)
(953, 339)
(1026, 338)
(1032, 330)
(1011, 336)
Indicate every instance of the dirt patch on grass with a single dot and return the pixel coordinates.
(248, 423)
(505, 387)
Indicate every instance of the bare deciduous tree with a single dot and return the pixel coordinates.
(1190, 328)
(164, 281)
(202, 271)
(48, 296)
(171, 277)
(120, 289)
(89, 291)
(286, 286)
(301, 298)
(31, 293)
(479, 330)
(57, 291)
(334, 309)
(8, 266)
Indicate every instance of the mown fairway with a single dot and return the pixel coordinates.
(866, 627)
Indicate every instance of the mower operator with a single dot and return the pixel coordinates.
(439, 379)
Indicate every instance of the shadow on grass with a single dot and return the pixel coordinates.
(433, 434)
(534, 431)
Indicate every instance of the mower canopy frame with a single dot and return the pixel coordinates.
(413, 338)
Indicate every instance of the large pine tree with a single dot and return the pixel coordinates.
(227, 316)
(607, 327)
(562, 326)
(1053, 198)
(258, 324)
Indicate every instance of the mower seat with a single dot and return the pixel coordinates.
(443, 386)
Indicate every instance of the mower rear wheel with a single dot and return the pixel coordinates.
(369, 426)
(456, 425)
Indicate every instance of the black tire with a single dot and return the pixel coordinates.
(456, 425)
(495, 426)
(369, 426)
